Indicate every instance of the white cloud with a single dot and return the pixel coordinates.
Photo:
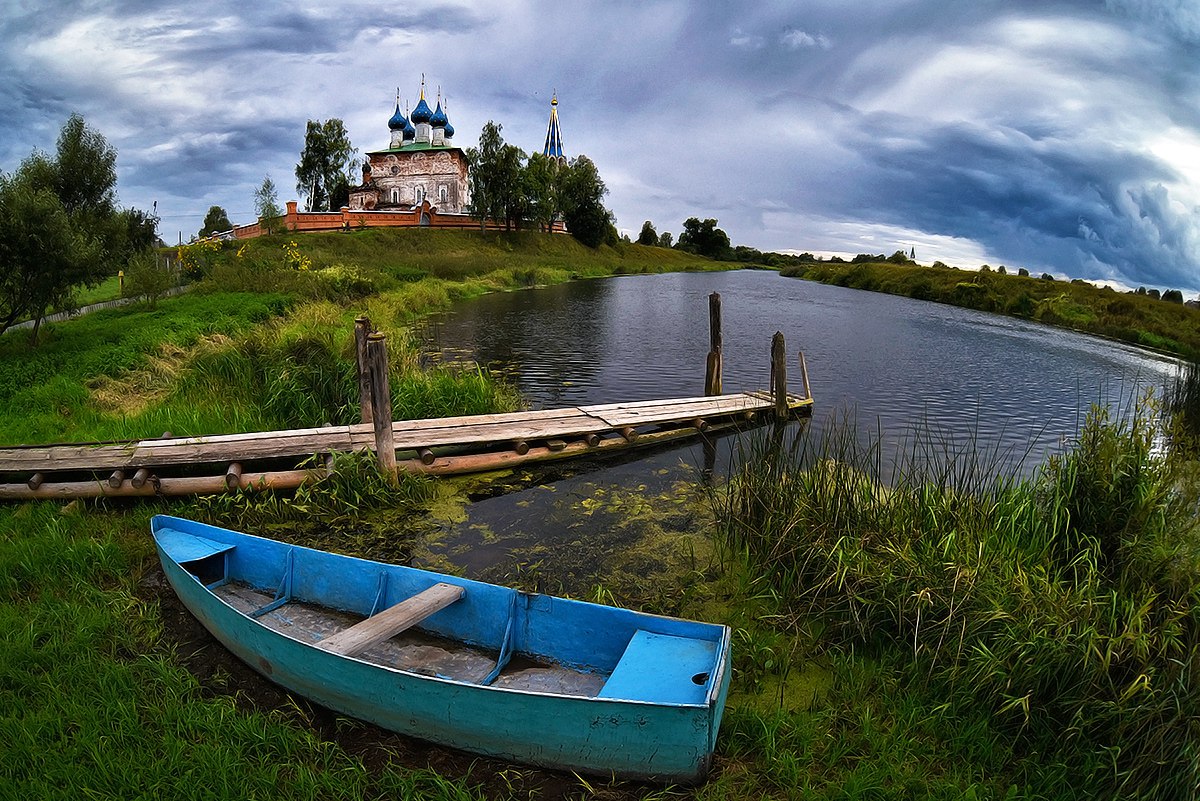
(795, 39)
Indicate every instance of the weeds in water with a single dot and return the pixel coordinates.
(1066, 605)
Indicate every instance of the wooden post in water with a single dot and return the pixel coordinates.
(362, 329)
(381, 402)
(779, 375)
(804, 377)
(712, 373)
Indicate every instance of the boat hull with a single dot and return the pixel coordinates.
(624, 737)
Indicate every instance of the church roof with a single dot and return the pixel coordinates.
(553, 146)
(438, 120)
(398, 121)
(422, 112)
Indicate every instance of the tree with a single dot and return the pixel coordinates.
(215, 221)
(45, 254)
(648, 236)
(266, 206)
(581, 195)
(1021, 271)
(1173, 296)
(61, 228)
(495, 178)
(664, 241)
(705, 239)
(540, 188)
(325, 163)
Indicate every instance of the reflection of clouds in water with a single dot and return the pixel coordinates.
(897, 366)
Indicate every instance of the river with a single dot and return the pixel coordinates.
(892, 364)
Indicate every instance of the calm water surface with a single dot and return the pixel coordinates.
(889, 362)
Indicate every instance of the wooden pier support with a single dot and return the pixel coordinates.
(592, 440)
(713, 368)
(142, 477)
(116, 479)
(521, 447)
(804, 377)
(363, 329)
(233, 476)
(35, 481)
(381, 402)
(779, 375)
(426, 456)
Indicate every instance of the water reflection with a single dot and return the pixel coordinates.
(895, 365)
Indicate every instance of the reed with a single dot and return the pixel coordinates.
(1183, 404)
(1063, 604)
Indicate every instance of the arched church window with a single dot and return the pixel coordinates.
(420, 194)
(442, 194)
(395, 195)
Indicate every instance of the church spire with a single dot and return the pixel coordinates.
(553, 147)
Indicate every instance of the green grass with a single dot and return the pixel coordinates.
(1137, 319)
(1042, 633)
(949, 632)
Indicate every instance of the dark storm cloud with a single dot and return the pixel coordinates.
(1062, 136)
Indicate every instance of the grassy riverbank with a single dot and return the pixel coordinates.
(1137, 319)
(952, 636)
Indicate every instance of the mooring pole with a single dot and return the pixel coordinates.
(779, 375)
(804, 377)
(381, 402)
(362, 329)
(712, 373)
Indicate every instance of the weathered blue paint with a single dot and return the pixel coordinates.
(658, 720)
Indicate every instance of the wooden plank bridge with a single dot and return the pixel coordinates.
(173, 465)
(442, 446)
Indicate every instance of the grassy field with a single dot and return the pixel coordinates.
(955, 634)
(1137, 319)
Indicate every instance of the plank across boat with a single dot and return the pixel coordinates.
(534, 678)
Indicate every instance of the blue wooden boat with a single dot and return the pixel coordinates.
(526, 677)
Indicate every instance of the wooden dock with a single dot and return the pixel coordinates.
(442, 446)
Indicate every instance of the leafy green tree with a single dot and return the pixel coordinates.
(499, 189)
(215, 221)
(704, 238)
(581, 196)
(61, 228)
(266, 206)
(648, 235)
(325, 163)
(44, 253)
(664, 241)
(1173, 296)
(1021, 271)
(540, 186)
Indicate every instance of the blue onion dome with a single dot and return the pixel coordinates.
(421, 113)
(397, 122)
(449, 130)
(438, 120)
(410, 133)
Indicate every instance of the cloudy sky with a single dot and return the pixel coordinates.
(1059, 136)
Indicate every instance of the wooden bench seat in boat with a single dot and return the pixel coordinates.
(662, 668)
(391, 621)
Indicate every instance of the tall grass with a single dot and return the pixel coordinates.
(1066, 605)
(1183, 403)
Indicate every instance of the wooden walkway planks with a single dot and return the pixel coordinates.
(176, 466)
(408, 435)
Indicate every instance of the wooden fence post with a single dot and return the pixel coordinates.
(779, 375)
(712, 373)
(362, 329)
(381, 402)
